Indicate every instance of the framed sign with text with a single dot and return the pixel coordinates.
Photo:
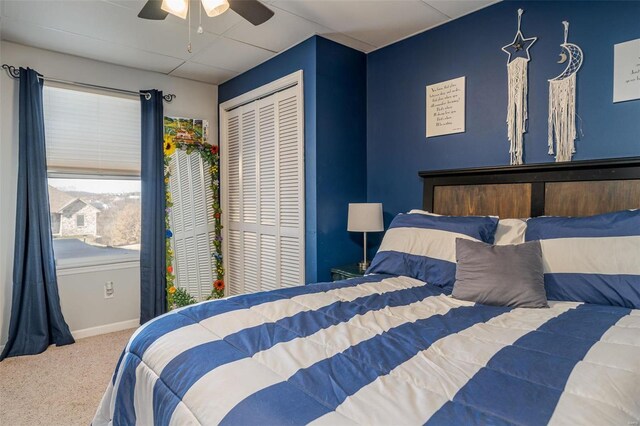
(626, 71)
(446, 107)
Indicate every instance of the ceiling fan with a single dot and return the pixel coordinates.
(251, 10)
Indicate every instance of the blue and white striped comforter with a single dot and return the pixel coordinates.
(378, 350)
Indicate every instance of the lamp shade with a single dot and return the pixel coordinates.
(365, 217)
(215, 7)
(179, 8)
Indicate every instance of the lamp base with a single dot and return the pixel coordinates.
(363, 265)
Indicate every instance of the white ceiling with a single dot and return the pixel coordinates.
(110, 31)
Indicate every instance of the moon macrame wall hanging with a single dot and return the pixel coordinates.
(518, 88)
(562, 102)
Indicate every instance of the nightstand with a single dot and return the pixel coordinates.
(345, 272)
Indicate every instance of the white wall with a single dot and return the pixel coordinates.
(84, 305)
(82, 295)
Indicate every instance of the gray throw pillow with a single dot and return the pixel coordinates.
(510, 275)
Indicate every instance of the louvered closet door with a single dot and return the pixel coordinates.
(265, 194)
(192, 223)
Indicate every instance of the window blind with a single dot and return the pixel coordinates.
(91, 133)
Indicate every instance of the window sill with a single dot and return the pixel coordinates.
(85, 268)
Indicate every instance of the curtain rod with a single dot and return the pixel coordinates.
(15, 73)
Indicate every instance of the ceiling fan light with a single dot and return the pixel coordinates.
(178, 8)
(215, 7)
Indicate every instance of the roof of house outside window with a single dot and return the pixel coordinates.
(74, 249)
(60, 200)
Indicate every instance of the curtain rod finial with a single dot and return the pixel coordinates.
(12, 71)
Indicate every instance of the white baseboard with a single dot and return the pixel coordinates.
(107, 328)
(101, 329)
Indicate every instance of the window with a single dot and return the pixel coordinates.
(93, 160)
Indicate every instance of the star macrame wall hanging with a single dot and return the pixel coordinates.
(517, 91)
(562, 101)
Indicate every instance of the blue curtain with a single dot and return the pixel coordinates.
(36, 318)
(153, 300)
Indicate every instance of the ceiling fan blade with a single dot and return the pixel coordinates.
(151, 10)
(251, 10)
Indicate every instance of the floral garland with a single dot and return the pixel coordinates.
(178, 297)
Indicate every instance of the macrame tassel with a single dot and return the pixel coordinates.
(562, 117)
(517, 107)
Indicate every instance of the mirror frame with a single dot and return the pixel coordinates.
(178, 297)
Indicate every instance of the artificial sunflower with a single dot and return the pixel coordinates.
(218, 285)
(172, 290)
(169, 145)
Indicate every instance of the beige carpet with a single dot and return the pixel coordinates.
(61, 386)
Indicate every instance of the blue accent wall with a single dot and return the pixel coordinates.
(340, 151)
(335, 142)
(365, 114)
(470, 46)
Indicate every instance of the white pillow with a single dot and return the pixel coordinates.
(510, 231)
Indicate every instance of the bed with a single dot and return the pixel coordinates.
(389, 349)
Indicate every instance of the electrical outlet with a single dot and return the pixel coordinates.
(108, 290)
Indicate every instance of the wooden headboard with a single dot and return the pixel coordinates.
(579, 188)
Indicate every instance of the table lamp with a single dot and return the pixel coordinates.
(365, 217)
